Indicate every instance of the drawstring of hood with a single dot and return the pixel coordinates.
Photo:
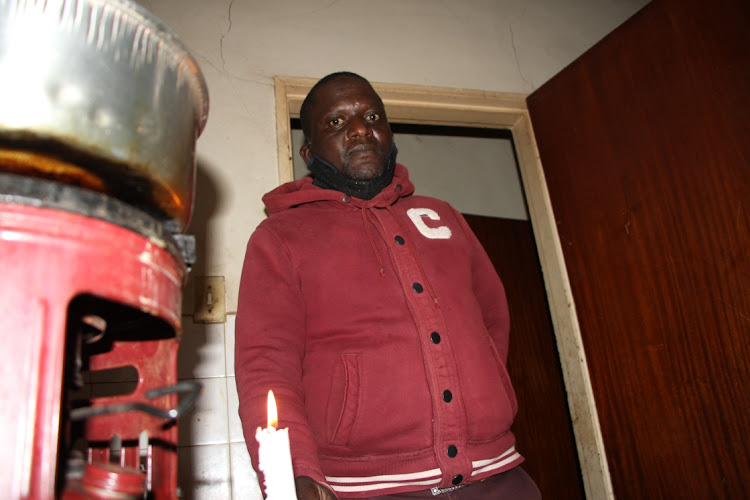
(368, 230)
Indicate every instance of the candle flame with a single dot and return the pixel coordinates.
(273, 415)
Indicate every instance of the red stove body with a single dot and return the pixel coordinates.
(91, 291)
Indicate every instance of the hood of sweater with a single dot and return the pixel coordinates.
(302, 191)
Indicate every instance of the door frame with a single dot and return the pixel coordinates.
(473, 108)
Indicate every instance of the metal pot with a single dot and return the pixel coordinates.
(102, 95)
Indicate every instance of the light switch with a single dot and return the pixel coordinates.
(210, 300)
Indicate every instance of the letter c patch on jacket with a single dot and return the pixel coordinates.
(434, 233)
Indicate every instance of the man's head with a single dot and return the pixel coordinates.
(344, 123)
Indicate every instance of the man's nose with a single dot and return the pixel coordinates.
(358, 127)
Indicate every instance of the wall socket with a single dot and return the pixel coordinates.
(210, 300)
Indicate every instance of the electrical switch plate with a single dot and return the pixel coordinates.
(210, 300)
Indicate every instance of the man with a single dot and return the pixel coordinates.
(377, 320)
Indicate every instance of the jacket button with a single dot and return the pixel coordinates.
(452, 451)
(435, 337)
(417, 287)
(399, 240)
(447, 396)
(457, 480)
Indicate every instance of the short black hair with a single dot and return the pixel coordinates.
(304, 111)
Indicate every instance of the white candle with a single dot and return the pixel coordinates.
(274, 457)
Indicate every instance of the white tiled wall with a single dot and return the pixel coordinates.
(213, 463)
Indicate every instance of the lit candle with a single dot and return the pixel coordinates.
(274, 458)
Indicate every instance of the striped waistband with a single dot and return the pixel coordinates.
(427, 479)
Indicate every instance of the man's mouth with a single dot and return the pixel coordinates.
(363, 149)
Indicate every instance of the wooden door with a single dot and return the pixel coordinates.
(645, 143)
(543, 430)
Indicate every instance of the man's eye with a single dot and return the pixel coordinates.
(335, 122)
(372, 116)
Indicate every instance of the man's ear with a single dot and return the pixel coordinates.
(305, 152)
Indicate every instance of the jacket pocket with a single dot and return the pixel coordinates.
(343, 399)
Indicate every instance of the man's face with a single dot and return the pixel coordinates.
(348, 129)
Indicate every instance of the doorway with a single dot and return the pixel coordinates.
(498, 111)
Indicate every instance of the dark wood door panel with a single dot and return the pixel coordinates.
(543, 429)
(645, 142)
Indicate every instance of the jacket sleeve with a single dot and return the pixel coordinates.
(269, 350)
(489, 291)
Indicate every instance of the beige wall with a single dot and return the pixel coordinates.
(508, 46)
